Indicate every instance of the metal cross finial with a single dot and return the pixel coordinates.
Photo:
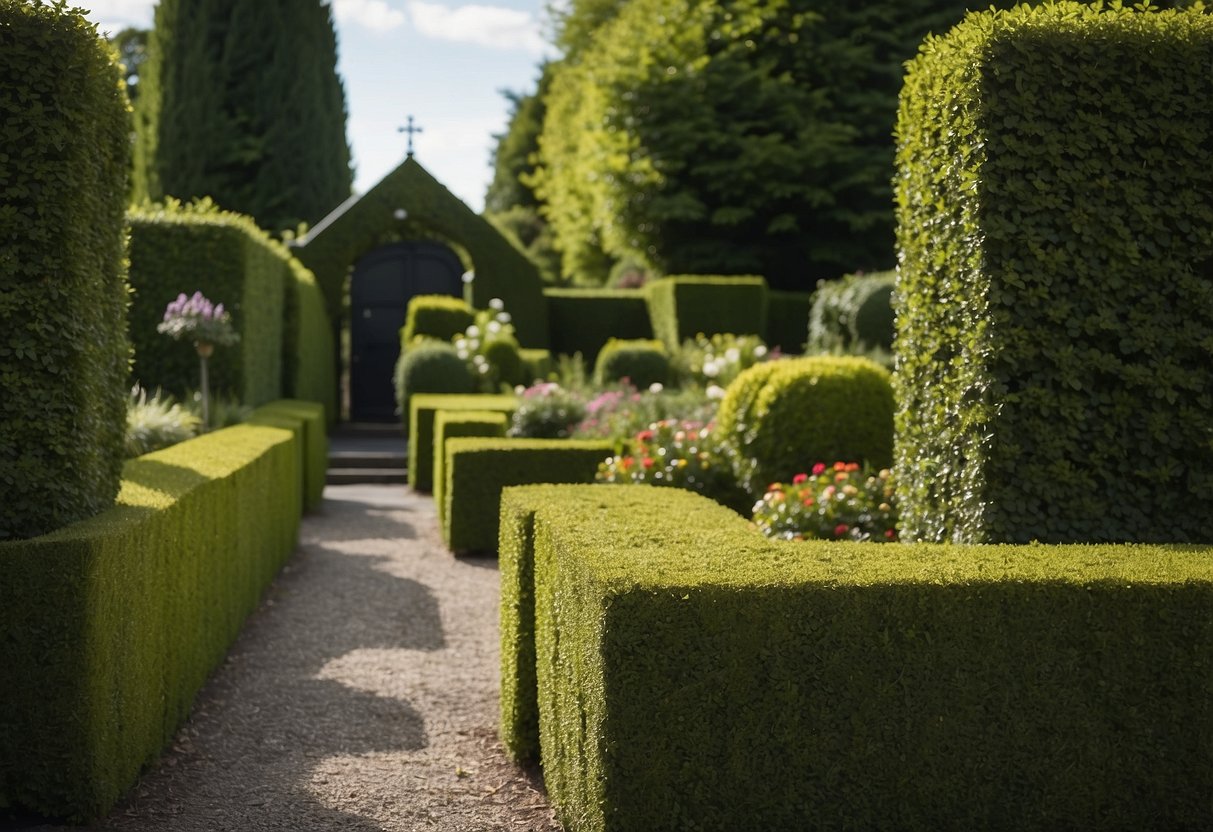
(410, 129)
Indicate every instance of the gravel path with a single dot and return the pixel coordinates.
(361, 696)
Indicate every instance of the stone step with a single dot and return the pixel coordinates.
(354, 476)
(357, 430)
(394, 458)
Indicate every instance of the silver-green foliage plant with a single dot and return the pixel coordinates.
(719, 359)
(156, 421)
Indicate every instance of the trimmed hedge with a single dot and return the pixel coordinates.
(779, 418)
(308, 371)
(430, 366)
(314, 443)
(451, 423)
(698, 676)
(436, 316)
(478, 469)
(64, 153)
(422, 408)
(854, 314)
(583, 320)
(1055, 207)
(198, 247)
(787, 316)
(643, 362)
(682, 307)
(114, 623)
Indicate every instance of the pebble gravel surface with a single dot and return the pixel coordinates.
(362, 695)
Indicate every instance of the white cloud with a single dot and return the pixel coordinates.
(373, 14)
(493, 26)
(114, 15)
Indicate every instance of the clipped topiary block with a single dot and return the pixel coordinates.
(450, 423)
(685, 306)
(422, 409)
(64, 155)
(583, 320)
(779, 418)
(641, 362)
(695, 675)
(787, 317)
(430, 366)
(478, 469)
(1055, 206)
(314, 443)
(435, 316)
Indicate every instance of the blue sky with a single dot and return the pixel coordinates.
(444, 61)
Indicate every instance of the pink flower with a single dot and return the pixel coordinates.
(799, 478)
(841, 529)
(819, 469)
(647, 462)
(890, 534)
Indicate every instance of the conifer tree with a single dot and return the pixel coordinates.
(240, 101)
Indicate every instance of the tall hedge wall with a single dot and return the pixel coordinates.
(787, 317)
(197, 247)
(64, 152)
(113, 624)
(308, 368)
(583, 320)
(1055, 208)
(682, 307)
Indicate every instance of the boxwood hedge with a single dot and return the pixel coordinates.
(435, 316)
(641, 361)
(450, 423)
(695, 675)
(1055, 209)
(681, 307)
(583, 320)
(64, 152)
(422, 408)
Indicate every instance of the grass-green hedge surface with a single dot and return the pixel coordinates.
(477, 469)
(642, 362)
(779, 418)
(1055, 209)
(683, 306)
(695, 675)
(583, 320)
(436, 316)
(422, 409)
(64, 152)
(113, 624)
(451, 423)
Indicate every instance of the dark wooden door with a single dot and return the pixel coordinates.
(383, 282)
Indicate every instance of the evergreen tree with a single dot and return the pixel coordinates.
(240, 101)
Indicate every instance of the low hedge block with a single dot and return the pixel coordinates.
(314, 443)
(451, 423)
(642, 362)
(787, 319)
(696, 675)
(422, 408)
(436, 316)
(583, 320)
(113, 624)
(478, 469)
(682, 307)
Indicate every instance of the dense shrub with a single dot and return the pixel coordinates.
(431, 367)
(694, 675)
(778, 419)
(583, 320)
(854, 314)
(547, 411)
(642, 362)
(787, 317)
(422, 409)
(1055, 202)
(490, 347)
(718, 359)
(683, 307)
(436, 316)
(64, 153)
(451, 423)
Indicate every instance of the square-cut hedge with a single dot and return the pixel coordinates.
(1055, 209)
(64, 153)
(178, 249)
(422, 409)
(450, 423)
(787, 320)
(583, 320)
(111, 625)
(682, 307)
(313, 445)
(308, 371)
(477, 469)
(694, 675)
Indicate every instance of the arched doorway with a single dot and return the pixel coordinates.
(383, 281)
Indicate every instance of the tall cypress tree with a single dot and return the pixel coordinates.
(240, 101)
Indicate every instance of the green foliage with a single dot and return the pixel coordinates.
(501, 270)
(491, 350)
(854, 314)
(683, 307)
(477, 469)
(115, 622)
(642, 362)
(582, 320)
(64, 151)
(430, 366)
(514, 154)
(787, 317)
(694, 675)
(524, 227)
(719, 359)
(435, 316)
(175, 249)
(451, 423)
(155, 423)
(778, 419)
(422, 409)
(240, 101)
(131, 45)
(311, 419)
(1055, 201)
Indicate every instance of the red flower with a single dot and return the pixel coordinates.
(799, 478)
(890, 534)
(840, 466)
(841, 529)
(626, 463)
(644, 436)
(647, 462)
(852, 466)
(819, 468)
(808, 501)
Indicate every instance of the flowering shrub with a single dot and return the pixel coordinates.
(546, 411)
(720, 359)
(491, 349)
(622, 411)
(197, 319)
(675, 453)
(156, 422)
(838, 502)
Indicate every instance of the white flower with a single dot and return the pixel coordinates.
(656, 387)
(479, 360)
(496, 304)
(462, 354)
(519, 389)
(473, 331)
(493, 327)
(715, 391)
(760, 351)
(711, 369)
(504, 317)
(468, 277)
(732, 355)
(461, 343)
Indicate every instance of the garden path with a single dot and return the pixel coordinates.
(361, 696)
